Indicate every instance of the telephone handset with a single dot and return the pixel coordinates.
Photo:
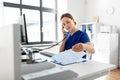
(64, 29)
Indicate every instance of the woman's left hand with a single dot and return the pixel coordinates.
(78, 47)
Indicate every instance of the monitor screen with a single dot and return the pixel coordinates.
(22, 22)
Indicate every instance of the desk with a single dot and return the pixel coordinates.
(90, 70)
(87, 70)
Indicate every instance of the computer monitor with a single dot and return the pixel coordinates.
(24, 35)
(22, 22)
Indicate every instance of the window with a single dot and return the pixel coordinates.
(31, 2)
(40, 17)
(49, 3)
(12, 1)
(49, 26)
(33, 24)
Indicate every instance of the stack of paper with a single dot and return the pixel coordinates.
(68, 57)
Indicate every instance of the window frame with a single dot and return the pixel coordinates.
(41, 10)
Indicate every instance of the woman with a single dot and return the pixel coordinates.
(74, 38)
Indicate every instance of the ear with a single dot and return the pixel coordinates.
(62, 27)
(75, 22)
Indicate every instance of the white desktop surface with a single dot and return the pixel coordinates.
(88, 70)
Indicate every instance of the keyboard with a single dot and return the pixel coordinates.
(47, 53)
(63, 75)
(31, 68)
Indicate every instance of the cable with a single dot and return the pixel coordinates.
(49, 46)
(34, 50)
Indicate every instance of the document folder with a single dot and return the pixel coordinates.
(68, 57)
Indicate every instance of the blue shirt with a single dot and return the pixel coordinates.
(77, 37)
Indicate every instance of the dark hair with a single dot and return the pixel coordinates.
(67, 15)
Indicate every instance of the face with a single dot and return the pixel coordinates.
(68, 23)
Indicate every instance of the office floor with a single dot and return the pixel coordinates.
(112, 75)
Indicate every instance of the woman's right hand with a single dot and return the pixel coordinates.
(62, 47)
(64, 33)
(78, 47)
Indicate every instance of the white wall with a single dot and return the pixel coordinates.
(76, 8)
(101, 8)
(1, 13)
